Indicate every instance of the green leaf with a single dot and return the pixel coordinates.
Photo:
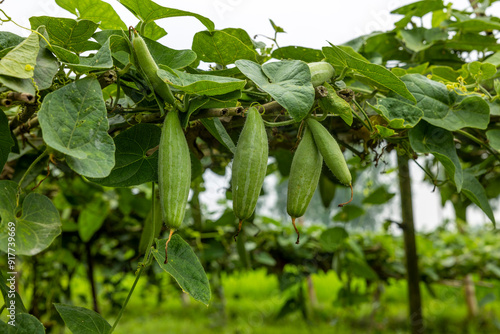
(6, 141)
(18, 85)
(299, 53)
(473, 189)
(481, 71)
(420, 39)
(440, 108)
(152, 31)
(492, 135)
(349, 212)
(68, 33)
(446, 73)
(9, 40)
(74, 122)
(287, 81)
(46, 65)
(133, 164)
(331, 240)
(102, 60)
(36, 228)
(379, 75)
(419, 8)
(399, 114)
(20, 62)
(169, 57)
(184, 267)
(334, 104)
(149, 11)
(426, 138)
(199, 84)
(277, 29)
(477, 24)
(384, 132)
(24, 324)
(94, 10)
(91, 218)
(82, 321)
(378, 196)
(494, 59)
(64, 55)
(472, 42)
(222, 47)
(215, 127)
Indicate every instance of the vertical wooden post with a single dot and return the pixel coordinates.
(413, 277)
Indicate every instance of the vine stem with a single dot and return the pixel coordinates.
(370, 126)
(276, 124)
(141, 269)
(480, 142)
(33, 164)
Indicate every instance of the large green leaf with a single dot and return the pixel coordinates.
(426, 138)
(473, 189)
(20, 62)
(375, 73)
(24, 324)
(440, 107)
(6, 141)
(169, 57)
(398, 113)
(70, 34)
(102, 60)
(199, 84)
(82, 321)
(215, 127)
(287, 81)
(299, 53)
(149, 11)
(74, 122)
(36, 228)
(184, 267)
(94, 10)
(223, 47)
(133, 164)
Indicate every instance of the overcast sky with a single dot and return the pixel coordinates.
(309, 23)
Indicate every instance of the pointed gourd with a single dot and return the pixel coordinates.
(249, 165)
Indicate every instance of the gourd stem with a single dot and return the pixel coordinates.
(349, 201)
(33, 164)
(166, 245)
(296, 231)
(239, 229)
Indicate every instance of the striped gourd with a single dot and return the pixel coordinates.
(321, 71)
(331, 152)
(148, 66)
(304, 177)
(249, 165)
(174, 172)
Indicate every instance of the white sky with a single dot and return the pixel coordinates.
(308, 24)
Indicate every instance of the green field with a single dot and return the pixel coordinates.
(253, 301)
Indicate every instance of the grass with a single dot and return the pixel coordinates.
(253, 300)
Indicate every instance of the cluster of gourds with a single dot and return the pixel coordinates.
(250, 159)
